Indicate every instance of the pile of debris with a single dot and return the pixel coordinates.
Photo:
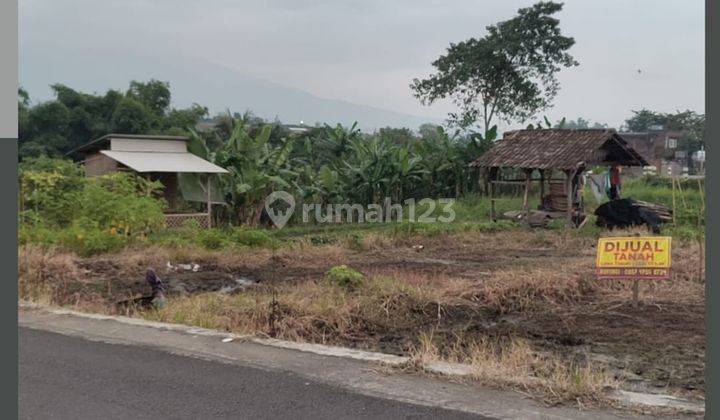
(155, 300)
(627, 212)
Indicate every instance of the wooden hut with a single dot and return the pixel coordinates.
(156, 157)
(567, 152)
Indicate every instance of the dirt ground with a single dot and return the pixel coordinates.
(658, 344)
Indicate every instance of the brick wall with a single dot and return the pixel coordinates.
(97, 164)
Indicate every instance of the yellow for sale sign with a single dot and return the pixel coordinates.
(634, 257)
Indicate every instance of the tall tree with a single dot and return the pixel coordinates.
(508, 74)
(131, 117)
(154, 94)
(579, 123)
(690, 123)
(645, 119)
(73, 118)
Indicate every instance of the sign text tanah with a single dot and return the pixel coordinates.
(634, 257)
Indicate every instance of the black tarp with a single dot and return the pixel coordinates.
(627, 212)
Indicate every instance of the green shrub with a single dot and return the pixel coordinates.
(61, 207)
(56, 193)
(49, 188)
(121, 201)
(322, 240)
(213, 239)
(191, 225)
(86, 242)
(344, 277)
(355, 241)
(37, 234)
(247, 237)
(83, 241)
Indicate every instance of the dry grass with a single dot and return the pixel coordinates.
(311, 311)
(512, 362)
(400, 305)
(45, 276)
(520, 291)
(404, 292)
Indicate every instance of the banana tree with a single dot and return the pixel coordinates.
(256, 169)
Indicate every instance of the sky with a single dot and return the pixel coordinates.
(326, 59)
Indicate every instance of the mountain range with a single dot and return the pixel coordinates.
(196, 81)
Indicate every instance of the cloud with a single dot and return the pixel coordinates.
(368, 51)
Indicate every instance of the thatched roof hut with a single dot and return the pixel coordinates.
(566, 150)
(560, 149)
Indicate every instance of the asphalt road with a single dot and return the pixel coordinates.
(65, 377)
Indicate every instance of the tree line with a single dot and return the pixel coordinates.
(509, 75)
(323, 164)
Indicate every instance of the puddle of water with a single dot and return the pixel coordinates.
(658, 400)
(241, 283)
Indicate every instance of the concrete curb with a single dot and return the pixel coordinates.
(627, 398)
(320, 349)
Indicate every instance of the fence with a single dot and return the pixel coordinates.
(173, 221)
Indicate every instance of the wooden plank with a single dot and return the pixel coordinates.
(526, 207)
(522, 181)
(568, 194)
(509, 182)
(209, 204)
(492, 201)
(674, 211)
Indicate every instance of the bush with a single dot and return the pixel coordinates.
(355, 241)
(213, 239)
(86, 242)
(248, 237)
(48, 187)
(59, 206)
(344, 277)
(38, 234)
(322, 240)
(83, 241)
(57, 193)
(191, 225)
(120, 201)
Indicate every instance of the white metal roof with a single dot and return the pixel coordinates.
(148, 145)
(164, 162)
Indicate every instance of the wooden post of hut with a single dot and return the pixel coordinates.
(569, 194)
(492, 175)
(526, 204)
(542, 185)
(209, 204)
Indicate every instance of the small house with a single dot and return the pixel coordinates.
(663, 151)
(158, 158)
(559, 157)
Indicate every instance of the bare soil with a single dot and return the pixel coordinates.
(658, 344)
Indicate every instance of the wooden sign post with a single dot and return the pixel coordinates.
(634, 258)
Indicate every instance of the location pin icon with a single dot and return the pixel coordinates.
(280, 217)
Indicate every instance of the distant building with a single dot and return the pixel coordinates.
(209, 124)
(297, 128)
(206, 125)
(662, 150)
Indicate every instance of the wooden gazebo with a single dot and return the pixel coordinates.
(566, 151)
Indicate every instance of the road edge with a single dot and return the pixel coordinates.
(446, 369)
